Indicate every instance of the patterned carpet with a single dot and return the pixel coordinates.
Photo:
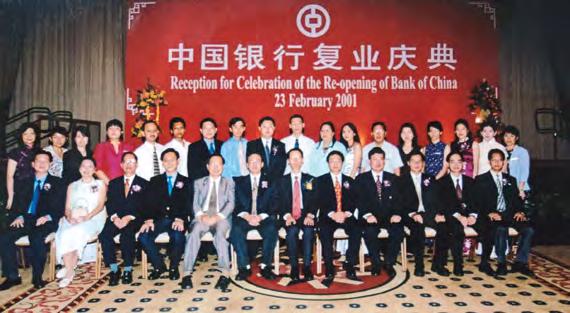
(475, 292)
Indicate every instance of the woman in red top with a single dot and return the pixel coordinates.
(108, 154)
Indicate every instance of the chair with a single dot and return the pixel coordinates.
(24, 241)
(254, 235)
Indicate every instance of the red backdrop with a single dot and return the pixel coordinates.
(159, 29)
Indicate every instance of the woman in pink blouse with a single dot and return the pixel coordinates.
(108, 154)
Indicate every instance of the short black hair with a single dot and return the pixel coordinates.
(175, 120)
(255, 153)
(416, 152)
(266, 118)
(454, 152)
(114, 122)
(147, 122)
(58, 130)
(435, 124)
(129, 153)
(334, 152)
(378, 123)
(208, 119)
(295, 150)
(40, 152)
(235, 120)
(296, 116)
(169, 150)
(511, 129)
(488, 124)
(217, 155)
(376, 150)
(496, 151)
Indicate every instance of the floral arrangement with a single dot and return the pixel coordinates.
(149, 101)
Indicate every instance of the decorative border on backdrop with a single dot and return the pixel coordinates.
(137, 9)
(487, 9)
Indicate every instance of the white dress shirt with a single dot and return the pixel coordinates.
(144, 153)
(417, 179)
(375, 176)
(182, 149)
(459, 180)
(306, 145)
(339, 177)
(297, 176)
(254, 179)
(211, 182)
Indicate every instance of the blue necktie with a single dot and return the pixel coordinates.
(169, 185)
(35, 198)
(297, 143)
(212, 148)
(267, 155)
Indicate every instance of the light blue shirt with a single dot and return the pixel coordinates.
(519, 166)
(229, 151)
(317, 162)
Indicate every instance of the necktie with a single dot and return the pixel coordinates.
(212, 148)
(296, 199)
(267, 154)
(35, 198)
(458, 190)
(296, 143)
(241, 158)
(127, 187)
(169, 182)
(338, 194)
(213, 203)
(379, 187)
(501, 205)
(155, 162)
(254, 197)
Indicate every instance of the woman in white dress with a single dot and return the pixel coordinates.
(84, 218)
(353, 157)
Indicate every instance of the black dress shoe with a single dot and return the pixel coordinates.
(223, 283)
(351, 274)
(522, 268)
(156, 273)
(186, 282)
(174, 274)
(442, 271)
(114, 278)
(457, 271)
(486, 268)
(243, 274)
(502, 269)
(39, 283)
(327, 282)
(9, 283)
(390, 270)
(267, 273)
(127, 277)
(419, 272)
(308, 274)
(294, 275)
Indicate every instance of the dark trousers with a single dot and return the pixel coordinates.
(417, 240)
(450, 235)
(177, 243)
(487, 231)
(307, 243)
(326, 235)
(526, 232)
(395, 237)
(238, 237)
(127, 242)
(39, 249)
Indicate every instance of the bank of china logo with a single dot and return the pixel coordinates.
(313, 20)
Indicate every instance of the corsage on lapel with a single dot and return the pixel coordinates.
(179, 185)
(47, 186)
(136, 188)
(94, 188)
(387, 183)
(264, 184)
(274, 150)
(346, 185)
(309, 185)
(427, 181)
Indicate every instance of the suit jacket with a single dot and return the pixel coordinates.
(284, 195)
(51, 201)
(243, 195)
(198, 155)
(449, 204)
(487, 194)
(409, 196)
(159, 204)
(226, 196)
(277, 157)
(368, 201)
(326, 198)
(133, 204)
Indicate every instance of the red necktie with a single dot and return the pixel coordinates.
(338, 193)
(296, 199)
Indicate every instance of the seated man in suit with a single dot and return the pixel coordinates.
(38, 205)
(254, 209)
(272, 150)
(167, 209)
(419, 196)
(455, 212)
(213, 205)
(125, 201)
(199, 152)
(498, 201)
(380, 207)
(335, 200)
(295, 200)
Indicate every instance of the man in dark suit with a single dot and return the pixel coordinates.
(498, 201)
(419, 196)
(125, 201)
(295, 200)
(254, 209)
(380, 207)
(336, 203)
(199, 152)
(271, 150)
(168, 209)
(39, 203)
(455, 212)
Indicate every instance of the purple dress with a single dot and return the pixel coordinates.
(466, 149)
(23, 156)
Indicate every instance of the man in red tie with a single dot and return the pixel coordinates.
(336, 201)
(294, 198)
